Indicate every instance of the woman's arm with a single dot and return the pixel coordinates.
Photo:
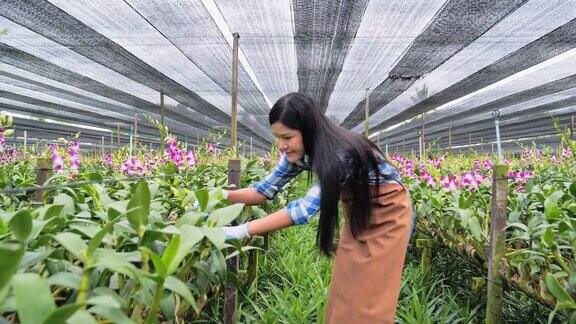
(272, 222)
(249, 196)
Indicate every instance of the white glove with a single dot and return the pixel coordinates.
(225, 194)
(236, 232)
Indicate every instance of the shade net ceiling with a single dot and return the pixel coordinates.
(104, 64)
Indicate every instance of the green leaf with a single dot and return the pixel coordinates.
(551, 205)
(177, 286)
(66, 201)
(475, 228)
(33, 299)
(193, 235)
(219, 263)
(202, 196)
(216, 236)
(61, 314)
(10, 255)
(65, 279)
(97, 239)
(572, 189)
(171, 251)
(82, 317)
(141, 202)
(114, 262)
(224, 216)
(51, 211)
(73, 243)
(105, 300)
(190, 217)
(112, 314)
(563, 305)
(556, 289)
(21, 225)
(159, 266)
(548, 237)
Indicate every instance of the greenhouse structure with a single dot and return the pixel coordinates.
(126, 127)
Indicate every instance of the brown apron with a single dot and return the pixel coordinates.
(366, 274)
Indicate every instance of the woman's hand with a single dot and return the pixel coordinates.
(236, 232)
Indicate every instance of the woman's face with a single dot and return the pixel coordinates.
(289, 141)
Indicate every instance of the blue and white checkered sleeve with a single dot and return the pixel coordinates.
(303, 209)
(272, 183)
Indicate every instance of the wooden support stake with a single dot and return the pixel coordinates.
(43, 170)
(572, 128)
(230, 290)
(496, 248)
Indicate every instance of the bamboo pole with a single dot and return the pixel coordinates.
(496, 248)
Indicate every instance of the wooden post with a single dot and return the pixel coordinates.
(43, 170)
(102, 146)
(251, 148)
(482, 144)
(234, 110)
(111, 141)
(230, 290)
(161, 121)
(496, 248)
(25, 140)
(234, 168)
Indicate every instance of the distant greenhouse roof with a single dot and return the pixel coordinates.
(99, 63)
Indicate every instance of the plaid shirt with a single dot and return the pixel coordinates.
(301, 210)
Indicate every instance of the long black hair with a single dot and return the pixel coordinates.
(341, 160)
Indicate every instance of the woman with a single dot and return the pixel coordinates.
(373, 241)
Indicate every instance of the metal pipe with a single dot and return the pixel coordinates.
(367, 113)
(496, 115)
